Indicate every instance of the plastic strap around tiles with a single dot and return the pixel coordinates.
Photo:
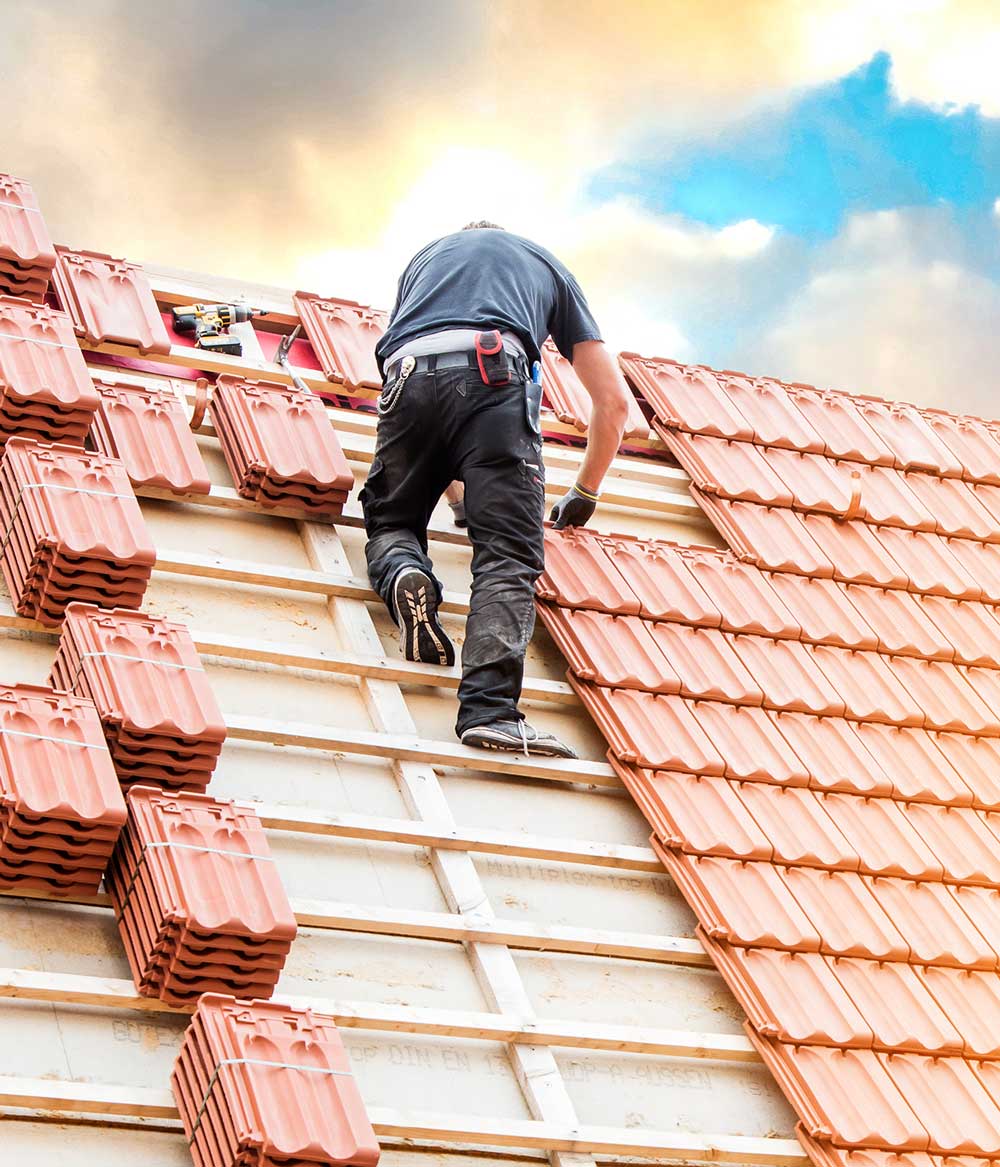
(50, 486)
(163, 664)
(256, 1062)
(36, 340)
(66, 741)
(20, 207)
(181, 847)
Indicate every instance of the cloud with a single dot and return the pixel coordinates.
(891, 309)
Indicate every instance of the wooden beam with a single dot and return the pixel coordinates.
(454, 755)
(84, 1098)
(110, 993)
(482, 840)
(458, 928)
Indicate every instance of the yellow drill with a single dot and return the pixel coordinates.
(209, 324)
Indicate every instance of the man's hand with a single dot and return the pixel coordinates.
(574, 509)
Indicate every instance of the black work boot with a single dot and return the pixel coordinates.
(421, 637)
(516, 736)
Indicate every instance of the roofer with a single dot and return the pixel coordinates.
(458, 402)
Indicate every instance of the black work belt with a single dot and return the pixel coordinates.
(463, 359)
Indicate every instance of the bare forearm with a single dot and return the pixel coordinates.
(607, 424)
(602, 379)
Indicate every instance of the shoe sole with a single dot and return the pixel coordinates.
(422, 639)
(517, 747)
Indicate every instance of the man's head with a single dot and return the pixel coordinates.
(482, 224)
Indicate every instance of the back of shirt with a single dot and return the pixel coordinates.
(487, 278)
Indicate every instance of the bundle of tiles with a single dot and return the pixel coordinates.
(260, 1084)
(27, 256)
(280, 447)
(162, 722)
(45, 389)
(72, 531)
(148, 429)
(61, 809)
(200, 905)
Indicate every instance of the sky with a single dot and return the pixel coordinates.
(807, 189)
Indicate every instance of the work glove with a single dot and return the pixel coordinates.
(574, 509)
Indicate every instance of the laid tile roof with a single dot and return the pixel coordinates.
(262, 1083)
(109, 300)
(810, 723)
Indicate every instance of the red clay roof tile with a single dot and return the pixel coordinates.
(24, 238)
(790, 996)
(773, 538)
(916, 767)
(845, 914)
(962, 840)
(882, 835)
(685, 397)
(835, 756)
(708, 667)
(823, 610)
(956, 1109)
(972, 441)
(741, 903)
(148, 430)
(816, 483)
(900, 621)
(771, 413)
(955, 506)
(698, 815)
(972, 1000)
(845, 1095)
(980, 905)
(611, 650)
(730, 469)
(741, 594)
(977, 759)
(845, 433)
(797, 826)
(944, 694)
(750, 743)
(886, 498)
(966, 626)
(788, 675)
(109, 300)
(913, 443)
(896, 1005)
(569, 400)
(927, 564)
(653, 730)
(658, 574)
(868, 685)
(925, 915)
(824, 1154)
(980, 561)
(579, 574)
(343, 335)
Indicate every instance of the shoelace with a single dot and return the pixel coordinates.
(523, 729)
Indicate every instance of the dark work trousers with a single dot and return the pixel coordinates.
(446, 425)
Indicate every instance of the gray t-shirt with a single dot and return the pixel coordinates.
(485, 278)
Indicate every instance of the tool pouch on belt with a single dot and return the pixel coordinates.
(491, 356)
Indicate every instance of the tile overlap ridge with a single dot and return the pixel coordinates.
(809, 724)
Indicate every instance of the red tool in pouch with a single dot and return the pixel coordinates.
(492, 358)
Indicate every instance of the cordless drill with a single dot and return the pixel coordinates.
(209, 324)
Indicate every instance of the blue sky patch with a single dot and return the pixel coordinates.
(840, 148)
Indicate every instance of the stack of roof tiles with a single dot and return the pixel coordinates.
(143, 673)
(343, 335)
(27, 256)
(814, 737)
(279, 445)
(571, 403)
(45, 388)
(72, 530)
(109, 300)
(200, 905)
(260, 1084)
(147, 428)
(60, 806)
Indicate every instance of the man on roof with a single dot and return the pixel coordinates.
(459, 403)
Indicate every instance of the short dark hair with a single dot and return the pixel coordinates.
(482, 224)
